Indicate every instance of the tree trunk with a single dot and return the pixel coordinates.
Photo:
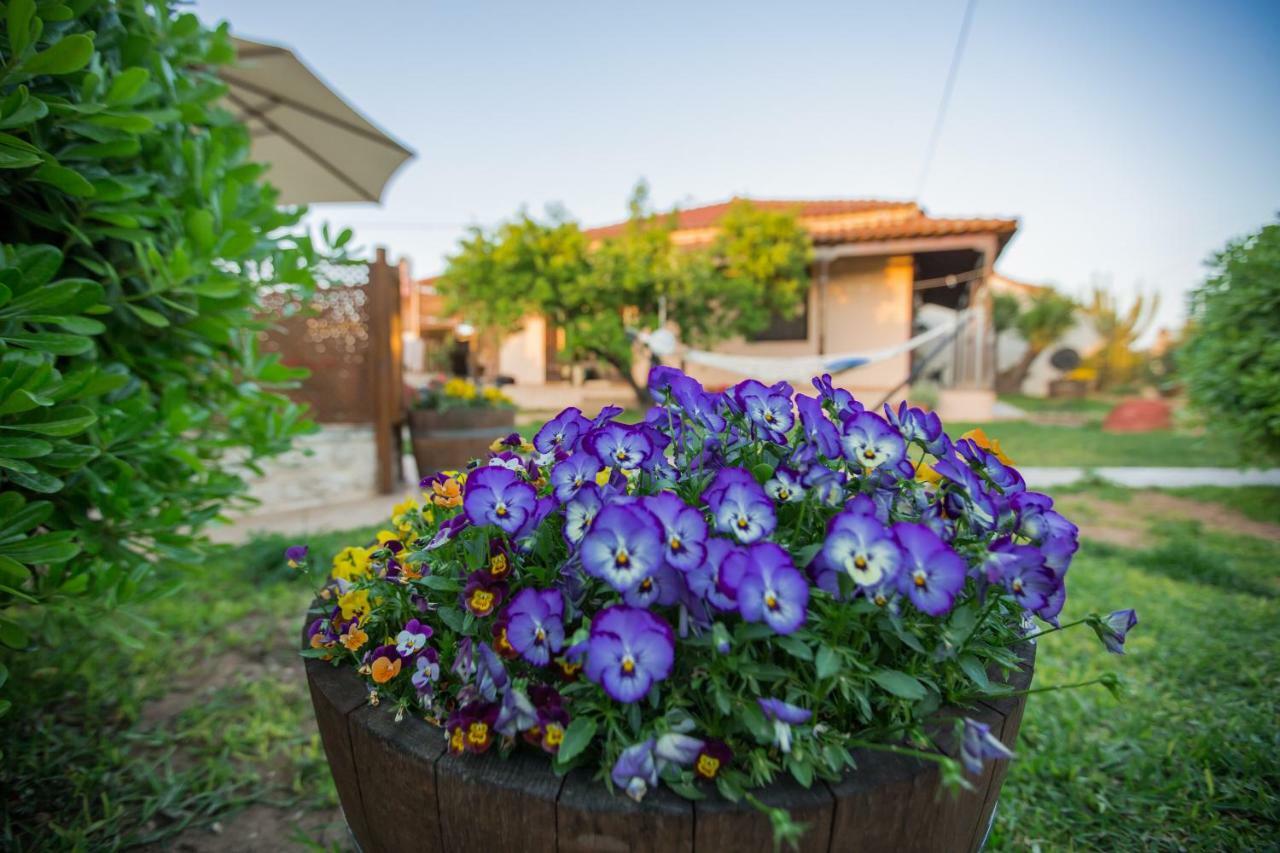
(643, 400)
(1010, 381)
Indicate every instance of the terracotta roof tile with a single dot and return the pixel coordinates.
(836, 221)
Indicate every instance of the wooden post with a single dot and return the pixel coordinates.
(384, 369)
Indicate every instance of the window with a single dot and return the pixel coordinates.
(780, 328)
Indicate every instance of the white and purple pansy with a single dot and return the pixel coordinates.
(623, 546)
(783, 715)
(684, 530)
(869, 442)
(562, 432)
(413, 638)
(772, 590)
(860, 546)
(622, 446)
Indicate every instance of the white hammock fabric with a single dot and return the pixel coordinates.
(804, 367)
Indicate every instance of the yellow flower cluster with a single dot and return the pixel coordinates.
(463, 389)
(495, 397)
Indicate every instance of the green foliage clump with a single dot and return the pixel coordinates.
(1041, 322)
(1230, 361)
(600, 293)
(136, 239)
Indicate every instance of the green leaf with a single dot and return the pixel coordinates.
(17, 465)
(577, 737)
(127, 84)
(149, 316)
(45, 484)
(899, 683)
(62, 421)
(972, 668)
(69, 181)
(795, 647)
(65, 56)
(51, 342)
(45, 548)
(12, 572)
(20, 13)
(24, 448)
(828, 662)
(17, 154)
(13, 635)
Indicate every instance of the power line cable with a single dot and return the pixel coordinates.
(946, 97)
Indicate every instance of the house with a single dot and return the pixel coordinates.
(876, 266)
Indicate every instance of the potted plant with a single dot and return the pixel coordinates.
(756, 615)
(454, 421)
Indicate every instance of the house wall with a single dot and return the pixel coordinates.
(867, 306)
(523, 355)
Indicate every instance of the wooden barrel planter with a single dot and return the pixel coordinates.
(450, 439)
(402, 791)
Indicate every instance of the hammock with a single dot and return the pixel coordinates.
(803, 367)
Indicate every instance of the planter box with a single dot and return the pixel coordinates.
(449, 440)
(402, 791)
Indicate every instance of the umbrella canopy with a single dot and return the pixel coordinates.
(318, 146)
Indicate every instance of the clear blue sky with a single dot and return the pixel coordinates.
(1132, 138)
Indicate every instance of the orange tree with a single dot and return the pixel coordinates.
(600, 293)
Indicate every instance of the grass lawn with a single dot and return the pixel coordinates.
(192, 709)
(1044, 445)
(1087, 406)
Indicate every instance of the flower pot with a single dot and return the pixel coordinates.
(402, 791)
(450, 439)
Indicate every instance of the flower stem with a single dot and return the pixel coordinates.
(1039, 634)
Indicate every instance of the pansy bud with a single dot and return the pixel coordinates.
(677, 748)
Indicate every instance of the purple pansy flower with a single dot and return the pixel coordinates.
(491, 672)
(413, 638)
(426, 670)
(978, 745)
(772, 589)
(295, 555)
(619, 445)
(635, 771)
(676, 748)
(861, 547)
(580, 513)
(516, 714)
(684, 530)
(663, 587)
(448, 530)
(535, 628)
(739, 506)
(767, 408)
(784, 486)
(1114, 627)
(839, 398)
(784, 715)
(932, 574)
(561, 432)
(916, 425)
(704, 579)
(497, 496)
(623, 546)
(569, 476)
(869, 442)
(628, 650)
(821, 434)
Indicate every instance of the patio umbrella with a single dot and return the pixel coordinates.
(318, 146)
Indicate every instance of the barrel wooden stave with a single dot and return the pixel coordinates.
(401, 790)
(444, 441)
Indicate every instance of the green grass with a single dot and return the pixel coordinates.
(94, 756)
(1260, 503)
(1188, 760)
(1086, 406)
(1042, 445)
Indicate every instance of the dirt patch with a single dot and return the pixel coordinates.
(1211, 515)
(264, 828)
(1127, 523)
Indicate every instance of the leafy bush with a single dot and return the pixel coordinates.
(1231, 359)
(137, 235)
